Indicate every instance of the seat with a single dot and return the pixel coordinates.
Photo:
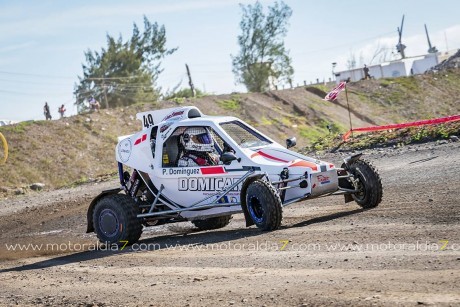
(171, 149)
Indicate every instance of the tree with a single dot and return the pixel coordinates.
(263, 57)
(124, 73)
(351, 61)
(381, 53)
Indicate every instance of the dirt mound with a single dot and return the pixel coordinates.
(81, 148)
(450, 63)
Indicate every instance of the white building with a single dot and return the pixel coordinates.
(409, 66)
(4, 122)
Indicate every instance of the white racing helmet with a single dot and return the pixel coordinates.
(197, 139)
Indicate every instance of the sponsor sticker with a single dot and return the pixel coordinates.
(164, 127)
(323, 179)
(124, 149)
(206, 184)
(174, 114)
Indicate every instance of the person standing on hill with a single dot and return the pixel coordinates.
(366, 72)
(61, 111)
(46, 111)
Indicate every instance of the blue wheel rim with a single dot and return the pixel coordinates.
(255, 209)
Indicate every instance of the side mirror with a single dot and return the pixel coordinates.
(291, 142)
(228, 157)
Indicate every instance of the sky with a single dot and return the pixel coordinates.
(42, 43)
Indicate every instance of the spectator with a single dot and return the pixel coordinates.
(61, 111)
(46, 111)
(94, 104)
(366, 72)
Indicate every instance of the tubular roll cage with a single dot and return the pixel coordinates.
(218, 195)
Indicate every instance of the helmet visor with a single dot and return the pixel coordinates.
(202, 138)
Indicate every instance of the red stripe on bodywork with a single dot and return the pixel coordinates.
(141, 139)
(268, 156)
(302, 163)
(212, 170)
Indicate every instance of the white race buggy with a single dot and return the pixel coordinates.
(253, 174)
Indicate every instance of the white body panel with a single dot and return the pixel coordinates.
(189, 186)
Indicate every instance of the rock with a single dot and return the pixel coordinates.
(454, 138)
(19, 191)
(37, 186)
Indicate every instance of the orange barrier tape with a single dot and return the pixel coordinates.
(404, 125)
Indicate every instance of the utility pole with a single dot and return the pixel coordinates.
(400, 46)
(105, 94)
(192, 88)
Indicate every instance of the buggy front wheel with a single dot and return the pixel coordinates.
(115, 220)
(264, 205)
(368, 182)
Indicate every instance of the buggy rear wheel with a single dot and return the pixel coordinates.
(115, 220)
(264, 205)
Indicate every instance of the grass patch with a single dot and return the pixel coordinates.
(265, 121)
(398, 138)
(311, 133)
(232, 104)
(19, 127)
(409, 83)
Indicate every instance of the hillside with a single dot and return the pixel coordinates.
(81, 148)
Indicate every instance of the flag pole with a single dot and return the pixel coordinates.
(348, 106)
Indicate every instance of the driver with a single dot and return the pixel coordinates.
(198, 148)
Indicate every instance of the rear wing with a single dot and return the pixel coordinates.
(152, 118)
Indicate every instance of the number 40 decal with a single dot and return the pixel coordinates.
(148, 120)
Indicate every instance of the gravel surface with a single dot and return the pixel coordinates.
(404, 252)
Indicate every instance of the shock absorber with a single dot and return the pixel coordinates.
(284, 175)
(133, 184)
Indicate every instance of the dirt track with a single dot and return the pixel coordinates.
(325, 253)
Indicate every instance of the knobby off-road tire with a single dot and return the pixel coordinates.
(264, 205)
(115, 220)
(368, 182)
(213, 222)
